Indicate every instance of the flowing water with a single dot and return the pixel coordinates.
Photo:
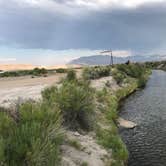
(147, 142)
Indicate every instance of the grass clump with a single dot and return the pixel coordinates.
(109, 136)
(75, 144)
(84, 163)
(111, 140)
(118, 76)
(34, 139)
(71, 75)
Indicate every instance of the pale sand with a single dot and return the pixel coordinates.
(11, 67)
(26, 87)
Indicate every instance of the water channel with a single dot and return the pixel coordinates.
(147, 142)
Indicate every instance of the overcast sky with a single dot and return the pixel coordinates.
(49, 32)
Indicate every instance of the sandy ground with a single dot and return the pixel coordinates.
(14, 88)
(11, 89)
(90, 152)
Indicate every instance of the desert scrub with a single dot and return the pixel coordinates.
(132, 70)
(71, 75)
(76, 100)
(126, 90)
(61, 70)
(118, 76)
(123, 72)
(34, 72)
(159, 65)
(96, 72)
(109, 137)
(34, 139)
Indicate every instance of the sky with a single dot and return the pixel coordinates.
(50, 32)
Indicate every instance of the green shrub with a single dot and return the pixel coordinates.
(96, 72)
(118, 76)
(75, 144)
(110, 103)
(76, 100)
(111, 140)
(71, 75)
(34, 72)
(84, 163)
(142, 82)
(61, 70)
(109, 137)
(34, 139)
(38, 72)
(132, 70)
(6, 124)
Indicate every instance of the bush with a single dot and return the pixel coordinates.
(118, 76)
(132, 70)
(38, 72)
(34, 72)
(71, 75)
(96, 72)
(76, 100)
(142, 82)
(34, 139)
(61, 70)
(110, 103)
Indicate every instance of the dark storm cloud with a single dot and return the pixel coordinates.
(139, 29)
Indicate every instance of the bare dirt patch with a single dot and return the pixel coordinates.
(26, 87)
(90, 152)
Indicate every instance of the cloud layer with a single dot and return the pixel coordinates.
(137, 25)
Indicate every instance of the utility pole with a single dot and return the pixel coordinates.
(111, 63)
(109, 52)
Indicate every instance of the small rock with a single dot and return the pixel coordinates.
(126, 124)
(76, 134)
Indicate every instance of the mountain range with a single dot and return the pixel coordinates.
(105, 59)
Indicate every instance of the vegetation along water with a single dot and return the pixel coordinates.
(33, 132)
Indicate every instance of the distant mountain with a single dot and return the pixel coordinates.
(105, 59)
